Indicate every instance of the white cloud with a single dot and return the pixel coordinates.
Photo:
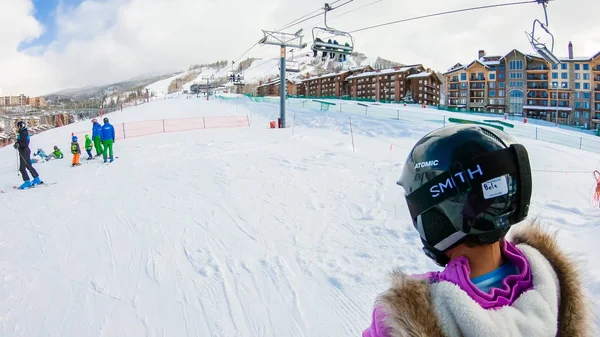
(110, 40)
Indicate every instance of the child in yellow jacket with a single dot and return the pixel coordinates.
(76, 151)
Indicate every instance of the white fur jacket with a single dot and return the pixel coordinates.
(556, 306)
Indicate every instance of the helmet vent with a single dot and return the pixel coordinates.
(491, 135)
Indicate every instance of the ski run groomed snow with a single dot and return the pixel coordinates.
(237, 231)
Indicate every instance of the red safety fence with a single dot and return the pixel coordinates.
(146, 128)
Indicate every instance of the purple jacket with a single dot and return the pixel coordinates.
(457, 272)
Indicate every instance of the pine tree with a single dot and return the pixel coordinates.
(408, 99)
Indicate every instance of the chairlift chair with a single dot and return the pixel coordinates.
(345, 40)
(291, 66)
(239, 79)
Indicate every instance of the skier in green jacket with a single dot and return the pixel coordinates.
(89, 145)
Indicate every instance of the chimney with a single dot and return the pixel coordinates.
(428, 70)
(570, 50)
(481, 54)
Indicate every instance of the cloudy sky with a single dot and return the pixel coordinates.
(47, 45)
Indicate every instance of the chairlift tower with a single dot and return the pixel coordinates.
(283, 40)
(208, 79)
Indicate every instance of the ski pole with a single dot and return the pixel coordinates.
(18, 172)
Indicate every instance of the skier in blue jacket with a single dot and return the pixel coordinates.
(107, 135)
(96, 130)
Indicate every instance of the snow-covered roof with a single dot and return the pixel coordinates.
(421, 74)
(575, 59)
(382, 72)
(325, 75)
(549, 108)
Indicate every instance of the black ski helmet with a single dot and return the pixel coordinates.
(105, 120)
(20, 124)
(465, 182)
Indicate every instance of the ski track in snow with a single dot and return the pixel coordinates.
(233, 232)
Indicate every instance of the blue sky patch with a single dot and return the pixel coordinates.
(45, 13)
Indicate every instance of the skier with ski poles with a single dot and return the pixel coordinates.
(22, 147)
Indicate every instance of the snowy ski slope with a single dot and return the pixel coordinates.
(236, 232)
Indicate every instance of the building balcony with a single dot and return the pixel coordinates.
(453, 80)
(537, 77)
(479, 86)
(477, 78)
(537, 68)
(537, 86)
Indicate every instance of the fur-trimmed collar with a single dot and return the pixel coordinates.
(409, 310)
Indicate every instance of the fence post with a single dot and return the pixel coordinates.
(163, 126)
(398, 114)
(124, 131)
(580, 140)
(536, 131)
(351, 132)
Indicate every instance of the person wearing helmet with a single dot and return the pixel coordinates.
(88, 147)
(57, 153)
(465, 187)
(96, 137)
(108, 138)
(76, 151)
(22, 146)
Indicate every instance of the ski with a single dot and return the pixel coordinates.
(45, 184)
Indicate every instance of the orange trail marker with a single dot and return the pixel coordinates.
(390, 147)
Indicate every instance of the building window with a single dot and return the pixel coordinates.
(501, 67)
(554, 67)
(586, 66)
(516, 75)
(516, 65)
(492, 93)
(492, 84)
(501, 76)
(577, 105)
(586, 77)
(577, 66)
(577, 85)
(554, 76)
(577, 114)
(564, 76)
(577, 76)
(564, 114)
(501, 93)
(586, 95)
(577, 94)
(463, 76)
(586, 86)
(501, 85)
(492, 76)
(586, 105)
(563, 66)
(554, 84)
(586, 115)
(564, 85)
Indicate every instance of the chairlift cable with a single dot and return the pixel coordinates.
(468, 9)
(293, 22)
(321, 11)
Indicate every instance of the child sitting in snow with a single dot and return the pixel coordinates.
(76, 151)
(56, 154)
(89, 145)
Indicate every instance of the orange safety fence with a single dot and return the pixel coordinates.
(146, 128)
